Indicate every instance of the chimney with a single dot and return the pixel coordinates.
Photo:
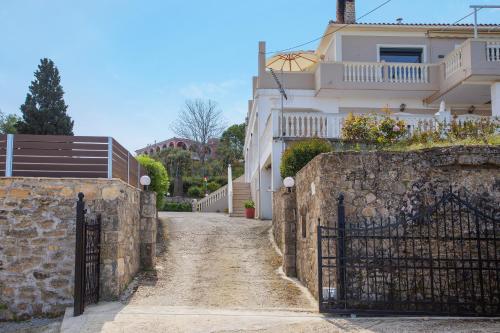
(346, 11)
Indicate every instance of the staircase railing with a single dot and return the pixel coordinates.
(211, 198)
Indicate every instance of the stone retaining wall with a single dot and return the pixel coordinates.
(37, 248)
(382, 184)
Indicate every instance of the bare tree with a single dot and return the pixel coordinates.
(199, 120)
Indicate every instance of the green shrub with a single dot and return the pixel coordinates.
(159, 177)
(177, 207)
(195, 192)
(213, 186)
(249, 204)
(300, 153)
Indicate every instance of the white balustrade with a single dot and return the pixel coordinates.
(361, 72)
(211, 198)
(304, 124)
(407, 73)
(453, 62)
(493, 51)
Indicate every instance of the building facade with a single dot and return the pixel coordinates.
(179, 143)
(420, 72)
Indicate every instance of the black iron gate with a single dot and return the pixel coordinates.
(87, 258)
(445, 261)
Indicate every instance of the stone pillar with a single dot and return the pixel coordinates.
(148, 230)
(495, 99)
(290, 234)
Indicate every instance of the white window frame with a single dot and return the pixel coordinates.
(403, 46)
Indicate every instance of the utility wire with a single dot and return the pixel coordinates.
(330, 33)
(466, 16)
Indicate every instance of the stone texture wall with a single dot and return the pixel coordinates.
(148, 230)
(37, 248)
(284, 228)
(383, 184)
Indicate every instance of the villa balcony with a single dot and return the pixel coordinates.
(292, 125)
(463, 77)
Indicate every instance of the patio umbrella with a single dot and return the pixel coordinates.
(292, 62)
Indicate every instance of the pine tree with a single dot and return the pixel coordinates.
(44, 111)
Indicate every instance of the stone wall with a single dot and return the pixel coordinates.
(284, 228)
(148, 228)
(37, 248)
(383, 184)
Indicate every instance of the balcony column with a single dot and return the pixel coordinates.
(495, 99)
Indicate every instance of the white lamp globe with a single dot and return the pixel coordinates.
(145, 181)
(289, 182)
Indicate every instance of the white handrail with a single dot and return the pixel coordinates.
(376, 72)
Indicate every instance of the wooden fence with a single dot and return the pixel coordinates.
(66, 157)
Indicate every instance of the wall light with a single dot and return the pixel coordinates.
(145, 181)
(289, 182)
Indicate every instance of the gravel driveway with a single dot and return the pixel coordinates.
(213, 261)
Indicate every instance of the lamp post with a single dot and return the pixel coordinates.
(145, 182)
(289, 182)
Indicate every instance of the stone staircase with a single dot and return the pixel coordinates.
(241, 193)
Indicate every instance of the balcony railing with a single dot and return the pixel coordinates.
(367, 72)
(493, 51)
(329, 125)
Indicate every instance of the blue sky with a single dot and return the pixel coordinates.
(128, 66)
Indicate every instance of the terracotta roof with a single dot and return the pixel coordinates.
(465, 25)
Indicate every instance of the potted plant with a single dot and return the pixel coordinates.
(249, 209)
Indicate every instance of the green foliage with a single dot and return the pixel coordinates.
(249, 204)
(8, 123)
(213, 186)
(367, 128)
(44, 110)
(230, 148)
(300, 153)
(178, 163)
(195, 192)
(159, 177)
(177, 207)
(472, 132)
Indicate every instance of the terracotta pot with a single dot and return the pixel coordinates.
(250, 213)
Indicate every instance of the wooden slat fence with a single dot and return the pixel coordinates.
(3, 152)
(67, 157)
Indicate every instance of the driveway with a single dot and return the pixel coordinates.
(214, 261)
(221, 274)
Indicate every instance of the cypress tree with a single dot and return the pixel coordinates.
(44, 110)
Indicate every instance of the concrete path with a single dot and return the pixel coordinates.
(221, 274)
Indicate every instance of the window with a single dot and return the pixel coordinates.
(402, 54)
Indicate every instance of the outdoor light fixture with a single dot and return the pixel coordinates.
(402, 107)
(145, 181)
(289, 182)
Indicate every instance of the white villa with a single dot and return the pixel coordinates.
(409, 68)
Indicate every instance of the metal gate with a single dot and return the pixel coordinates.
(87, 258)
(444, 261)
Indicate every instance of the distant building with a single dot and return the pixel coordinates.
(180, 143)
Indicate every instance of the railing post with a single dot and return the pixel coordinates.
(79, 288)
(229, 189)
(341, 249)
(110, 157)
(9, 155)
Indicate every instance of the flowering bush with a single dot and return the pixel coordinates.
(372, 129)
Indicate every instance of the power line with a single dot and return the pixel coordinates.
(466, 16)
(330, 33)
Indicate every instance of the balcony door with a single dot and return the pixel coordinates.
(406, 55)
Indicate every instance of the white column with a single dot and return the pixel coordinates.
(230, 189)
(495, 99)
(277, 151)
